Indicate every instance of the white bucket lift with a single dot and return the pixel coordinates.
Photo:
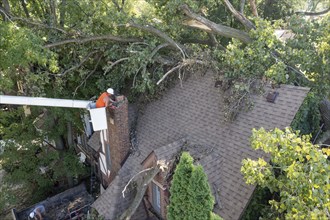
(98, 115)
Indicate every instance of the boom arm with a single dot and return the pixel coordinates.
(39, 101)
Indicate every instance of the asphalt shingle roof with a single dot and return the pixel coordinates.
(94, 141)
(195, 112)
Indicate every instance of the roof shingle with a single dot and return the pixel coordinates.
(195, 112)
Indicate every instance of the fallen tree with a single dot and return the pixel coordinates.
(142, 180)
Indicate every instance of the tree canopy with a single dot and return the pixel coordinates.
(86, 45)
(77, 49)
(298, 172)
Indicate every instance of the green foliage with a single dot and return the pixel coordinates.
(20, 46)
(6, 197)
(269, 59)
(254, 60)
(310, 50)
(191, 196)
(274, 10)
(83, 70)
(215, 217)
(139, 68)
(299, 172)
(14, 125)
(23, 163)
(307, 119)
(258, 205)
(69, 166)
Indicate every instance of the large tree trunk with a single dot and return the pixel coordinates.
(158, 33)
(202, 23)
(140, 191)
(146, 176)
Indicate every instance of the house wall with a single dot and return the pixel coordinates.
(151, 161)
(163, 198)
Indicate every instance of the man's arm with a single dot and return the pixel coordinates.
(107, 100)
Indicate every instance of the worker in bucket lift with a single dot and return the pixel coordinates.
(106, 99)
(37, 212)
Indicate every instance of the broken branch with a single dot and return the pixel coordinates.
(153, 53)
(185, 62)
(84, 81)
(169, 72)
(309, 13)
(28, 21)
(129, 182)
(160, 34)
(114, 64)
(240, 17)
(141, 188)
(94, 38)
(207, 25)
(5, 14)
(79, 65)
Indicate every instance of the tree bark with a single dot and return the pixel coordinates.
(28, 21)
(6, 6)
(2, 12)
(209, 26)
(241, 18)
(94, 38)
(140, 191)
(62, 12)
(254, 8)
(241, 7)
(53, 17)
(25, 9)
(309, 13)
(158, 33)
(6, 10)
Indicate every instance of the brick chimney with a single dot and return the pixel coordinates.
(118, 133)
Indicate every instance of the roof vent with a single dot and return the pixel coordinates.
(271, 96)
